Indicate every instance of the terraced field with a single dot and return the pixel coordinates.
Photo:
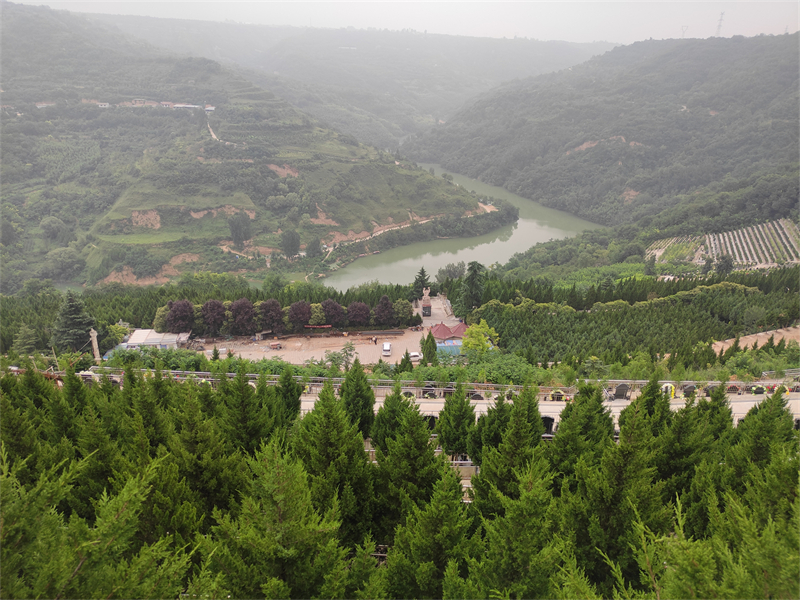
(764, 245)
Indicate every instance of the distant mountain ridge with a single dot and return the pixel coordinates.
(618, 138)
(377, 85)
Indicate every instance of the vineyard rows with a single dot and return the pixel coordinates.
(765, 245)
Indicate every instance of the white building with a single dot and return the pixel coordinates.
(149, 337)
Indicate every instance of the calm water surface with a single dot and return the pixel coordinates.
(536, 223)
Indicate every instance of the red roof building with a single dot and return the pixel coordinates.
(443, 332)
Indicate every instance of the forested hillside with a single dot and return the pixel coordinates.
(378, 86)
(641, 130)
(100, 178)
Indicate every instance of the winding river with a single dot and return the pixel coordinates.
(536, 223)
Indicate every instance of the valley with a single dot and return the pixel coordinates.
(297, 312)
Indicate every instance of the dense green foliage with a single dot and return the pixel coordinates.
(715, 312)
(143, 492)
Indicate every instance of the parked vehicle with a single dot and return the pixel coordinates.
(387, 349)
(415, 356)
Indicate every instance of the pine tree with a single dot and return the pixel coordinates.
(71, 329)
(429, 355)
(471, 291)
(700, 431)
(421, 281)
(215, 475)
(44, 555)
(247, 422)
(269, 398)
(332, 451)
(61, 417)
(171, 509)
(388, 418)
(19, 438)
(144, 406)
(742, 558)
(519, 553)
(433, 536)
(655, 403)
(278, 546)
(488, 432)
(529, 401)
(499, 474)
(406, 474)
(601, 514)
(290, 392)
(585, 428)
(456, 422)
(74, 391)
(358, 398)
(25, 341)
(405, 366)
(102, 460)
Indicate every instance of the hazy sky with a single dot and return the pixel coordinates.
(623, 22)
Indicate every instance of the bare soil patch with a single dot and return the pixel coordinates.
(284, 170)
(628, 195)
(146, 218)
(322, 218)
(584, 146)
(127, 277)
(593, 143)
(182, 258)
(351, 236)
(787, 333)
(227, 209)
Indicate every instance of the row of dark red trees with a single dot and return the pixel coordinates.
(243, 317)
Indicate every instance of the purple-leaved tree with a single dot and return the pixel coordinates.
(243, 317)
(334, 313)
(180, 317)
(358, 314)
(384, 312)
(213, 316)
(272, 316)
(300, 314)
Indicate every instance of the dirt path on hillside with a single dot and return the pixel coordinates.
(787, 333)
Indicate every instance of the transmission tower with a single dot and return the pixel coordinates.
(683, 30)
(719, 25)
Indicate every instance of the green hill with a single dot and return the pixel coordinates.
(636, 131)
(98, 175)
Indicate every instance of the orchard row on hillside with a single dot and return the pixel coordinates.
(773, 243)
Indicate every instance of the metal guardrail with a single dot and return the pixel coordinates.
(787, 373)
